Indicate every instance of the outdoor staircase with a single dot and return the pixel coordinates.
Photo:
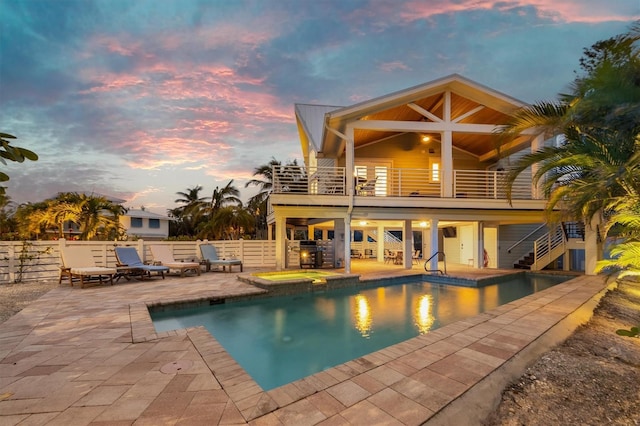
(525, 262)
(549, 247)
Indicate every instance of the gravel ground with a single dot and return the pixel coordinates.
(593, 378)
(15, 297)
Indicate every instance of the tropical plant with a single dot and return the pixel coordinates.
(223, 197)
(12, 153)
(230, 223)
(188, 215)
(26, 256)
(597, 162)
(95, 216)
(258, 203)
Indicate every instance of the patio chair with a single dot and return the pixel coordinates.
(78, 262)
(210, 257)
(416, 256)
(131, 264)
(368, 188)
(163, 255)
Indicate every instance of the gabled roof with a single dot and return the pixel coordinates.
(310, 121)
(145, 214)
(109, 198)
(471, 103)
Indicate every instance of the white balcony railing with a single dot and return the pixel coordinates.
(399, 182)
(490, 184)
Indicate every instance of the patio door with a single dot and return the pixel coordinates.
(368, 170)
(466, 244)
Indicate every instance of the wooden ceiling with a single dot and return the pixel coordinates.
(476, 144)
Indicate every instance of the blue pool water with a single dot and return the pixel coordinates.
(283, 339)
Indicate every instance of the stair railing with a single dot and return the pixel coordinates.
(525, 238)
(544, 246)
(444, 261)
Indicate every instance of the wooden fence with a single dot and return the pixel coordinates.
(40, 260)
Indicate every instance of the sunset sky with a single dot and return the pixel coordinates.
(142, 99)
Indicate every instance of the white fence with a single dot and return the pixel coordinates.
(40, 260)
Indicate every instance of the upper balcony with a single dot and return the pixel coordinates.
(399, 182)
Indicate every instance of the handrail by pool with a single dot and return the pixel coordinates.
(444, 260)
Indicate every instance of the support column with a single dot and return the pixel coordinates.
(592, 246)
(281, 242)
(407, 240)
(311, 230)
(338, 241)
(536, 144)
(478, 245)
(446, 153)
(347, 245)
(380, 244)
(433, 243)
(270, 232)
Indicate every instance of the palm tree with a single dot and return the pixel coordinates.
(230, 223)
(258, 203)
(97, 216)
(597, 163)
(190, 212)
(265, 184)
(222, 197)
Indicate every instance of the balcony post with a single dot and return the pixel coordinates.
(349, 160)
(536, 144)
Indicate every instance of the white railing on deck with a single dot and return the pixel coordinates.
(316, 180)
(399, 182)
(46, 266)
(489, 184)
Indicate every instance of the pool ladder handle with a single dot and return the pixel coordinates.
(444, 259)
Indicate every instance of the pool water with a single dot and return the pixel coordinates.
(283, 339)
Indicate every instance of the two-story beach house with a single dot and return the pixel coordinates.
(419, 172)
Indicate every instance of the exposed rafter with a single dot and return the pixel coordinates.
(424, 112)
(468, 114)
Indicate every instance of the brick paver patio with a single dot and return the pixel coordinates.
(91, 357)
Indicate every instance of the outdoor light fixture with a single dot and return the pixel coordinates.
(426, 138)
(363, 222)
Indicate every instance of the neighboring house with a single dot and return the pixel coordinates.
(145, 224)
(422, 163)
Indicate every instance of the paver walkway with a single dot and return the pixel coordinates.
(91, 357)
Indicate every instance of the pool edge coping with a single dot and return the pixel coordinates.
(253, 402)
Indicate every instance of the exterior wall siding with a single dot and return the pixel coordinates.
(508, 235)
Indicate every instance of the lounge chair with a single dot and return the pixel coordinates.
(78, 262)
(128, 257)
(210, 257)
(163, 255)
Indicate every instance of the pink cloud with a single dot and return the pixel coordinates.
(587, 11)
(394, 66)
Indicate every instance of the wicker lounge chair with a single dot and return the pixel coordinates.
(128, 257)
(210, 258)
(78, 262)
(163, 255)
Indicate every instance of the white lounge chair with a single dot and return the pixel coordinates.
(78, 262)
(210, 257)
(163, 255)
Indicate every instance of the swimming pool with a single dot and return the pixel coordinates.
(282, 339)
